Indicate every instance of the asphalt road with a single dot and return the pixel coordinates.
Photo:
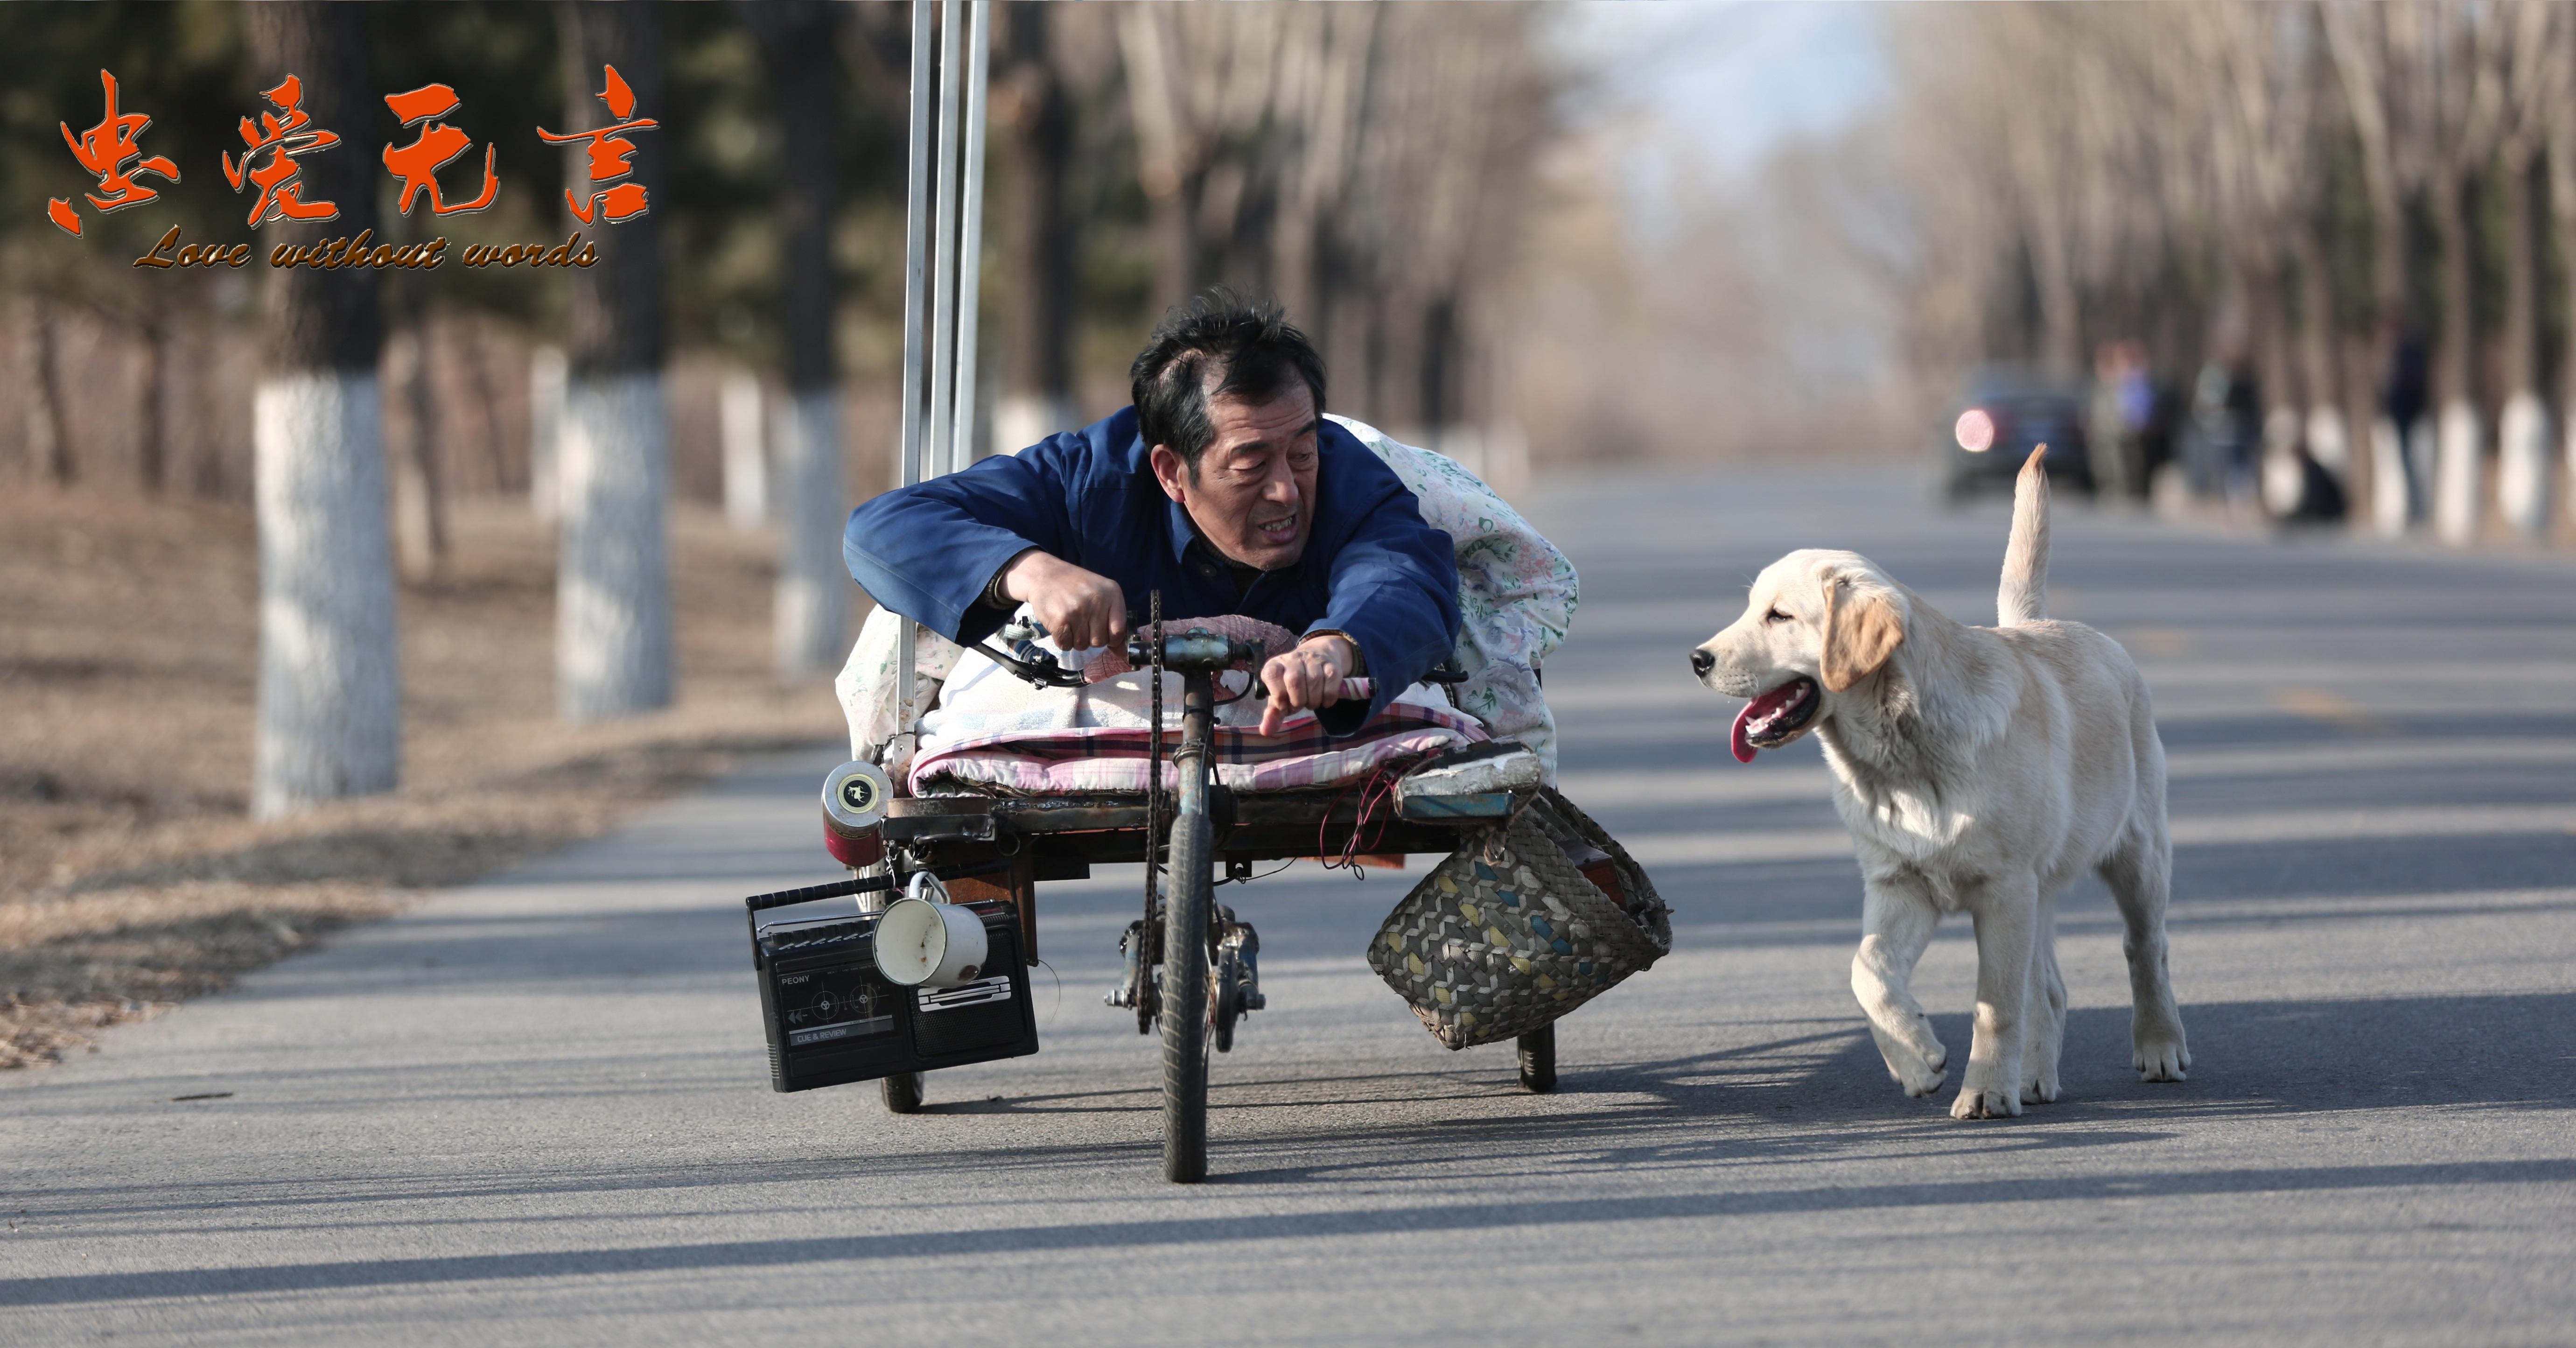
(535, 1110)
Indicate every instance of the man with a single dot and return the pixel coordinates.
(1223, 487)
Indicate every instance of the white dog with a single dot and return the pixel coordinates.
(1979, 770)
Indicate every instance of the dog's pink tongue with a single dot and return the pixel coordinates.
(1741, 742)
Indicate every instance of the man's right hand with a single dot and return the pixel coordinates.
(1080, 609)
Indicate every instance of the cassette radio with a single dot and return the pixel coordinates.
(926, 984)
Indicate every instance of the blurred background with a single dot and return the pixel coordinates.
(1550, 234)
(2298, 263)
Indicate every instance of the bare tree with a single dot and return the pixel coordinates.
(2382, 93)
(2532, 91)
(2455, 46)
(2255, 59)
(330, 704)
(420, 487)
(2329, 423)
(49, 428)
(152, 408)
(797, 47)
(1331, 61)
(1354, 162)
(1452, 131)
(1032, 100)
(1200, 82)
(2562, 206)
(613, 605)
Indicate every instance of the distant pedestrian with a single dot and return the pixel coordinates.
(2227, 408)
(2118, 418)
(2405, 402)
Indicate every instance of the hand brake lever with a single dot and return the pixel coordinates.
(1037, 672)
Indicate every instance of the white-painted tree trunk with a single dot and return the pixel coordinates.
(813, 580)
(2456, 473)
(746, 458)
(613, 603)
(1021, 420)
(2522, 468)
(545, 431)
(2392, 486)
(2284, 474)
(330, 677)
(2327, 443)
(416, 522)
(2568, 464)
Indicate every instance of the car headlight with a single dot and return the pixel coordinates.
(1974, 430)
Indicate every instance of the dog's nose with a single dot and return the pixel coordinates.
(1702, 661)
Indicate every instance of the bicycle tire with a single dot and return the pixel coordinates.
(903, 1092)
(1188, 896)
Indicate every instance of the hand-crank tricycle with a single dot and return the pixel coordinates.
(1191, 967)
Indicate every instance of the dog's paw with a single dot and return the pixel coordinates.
(1916, 1068)
(2162, 1059)
(2040, 1089)
(1985, 1104)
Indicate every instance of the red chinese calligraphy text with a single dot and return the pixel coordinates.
(608, 155)
(104, 151)
(417, 164)
(281, 180)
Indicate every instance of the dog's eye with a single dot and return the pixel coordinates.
(1775, 616)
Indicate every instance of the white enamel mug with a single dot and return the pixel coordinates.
(926, 942)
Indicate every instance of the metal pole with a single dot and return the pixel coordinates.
(916, 249)
(943, 277)
(970, 250)
(916, 245)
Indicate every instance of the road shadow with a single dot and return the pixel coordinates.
(1754, 1108)
(1406, 1220)
(2507, 1051)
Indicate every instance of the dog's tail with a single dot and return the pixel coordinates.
(2023, 596)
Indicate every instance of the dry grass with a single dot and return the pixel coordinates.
(130, 876)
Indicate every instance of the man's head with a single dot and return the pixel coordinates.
(1231, 398)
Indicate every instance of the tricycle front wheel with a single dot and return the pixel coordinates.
(903, 1093)
(1187, 897)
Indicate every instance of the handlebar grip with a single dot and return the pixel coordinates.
(838, 889)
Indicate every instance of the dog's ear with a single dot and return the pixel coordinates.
(1860, 633)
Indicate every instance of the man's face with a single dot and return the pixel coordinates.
(1253, 494)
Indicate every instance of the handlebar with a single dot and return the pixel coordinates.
(1193, 651)
(1196, 650)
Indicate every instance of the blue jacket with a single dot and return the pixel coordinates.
(1372, 568)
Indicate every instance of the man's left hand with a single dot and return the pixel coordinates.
(1306, 678)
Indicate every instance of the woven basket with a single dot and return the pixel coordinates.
(1506, 935)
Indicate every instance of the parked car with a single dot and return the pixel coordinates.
(1998, 418)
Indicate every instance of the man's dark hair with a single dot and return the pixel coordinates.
(1251, 342)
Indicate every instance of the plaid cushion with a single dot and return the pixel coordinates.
(1114, 759)
(992, 732)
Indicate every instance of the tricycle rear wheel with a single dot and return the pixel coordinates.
(903, 1093)
(1538, 1060)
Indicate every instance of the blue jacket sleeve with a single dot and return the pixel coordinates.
(1394, 591)
(927, 551)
